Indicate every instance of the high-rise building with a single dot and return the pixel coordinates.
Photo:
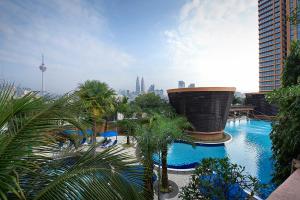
(293, 29)
(151, 88)
(159, 92)
(192, 85)
(137, 86)
(181, 84)
(142, 85)
(272, 15)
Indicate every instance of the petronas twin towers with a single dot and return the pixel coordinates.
(139, 88)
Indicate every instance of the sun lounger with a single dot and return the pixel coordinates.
(104, 144)
(112, 143)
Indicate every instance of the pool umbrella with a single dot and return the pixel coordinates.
(109, 134)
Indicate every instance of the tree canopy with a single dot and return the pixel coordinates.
(285, 133)
(219, 179)
(28, 169)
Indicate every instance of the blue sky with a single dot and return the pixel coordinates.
(207, 42)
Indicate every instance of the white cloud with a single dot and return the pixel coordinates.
(216, 44)
(72, 35)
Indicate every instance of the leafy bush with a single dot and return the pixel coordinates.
(285, 134)
(220, 179)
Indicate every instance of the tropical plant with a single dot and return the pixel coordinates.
(291, 71)
(150, 103)
(237, 100)
(27, 146)
(147, 146)
(98, 101)
(220, 179)
(167, 130)
(128, 123)
(285, 133)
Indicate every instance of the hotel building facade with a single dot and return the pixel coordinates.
(272, 42)
(276, 32)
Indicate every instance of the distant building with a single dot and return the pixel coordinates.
(181, 84)
(21, 91)
(137, 86)
(192, 85)
(151, 88)
(159, 92)
(142, 86)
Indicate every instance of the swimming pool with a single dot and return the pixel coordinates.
(250, 147)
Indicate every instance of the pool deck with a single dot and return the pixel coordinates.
(289, 189)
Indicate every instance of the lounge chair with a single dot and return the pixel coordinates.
(105, 143)
(111, 144)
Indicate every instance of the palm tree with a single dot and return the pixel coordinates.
(97, 98)
(167, 130)
(27, 168)
(147, 146)
(128, 123)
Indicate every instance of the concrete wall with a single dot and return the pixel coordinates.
(260, 104)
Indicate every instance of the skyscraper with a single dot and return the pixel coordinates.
(181, 84)
(137, 86)
(192, 85)
(151, 88)
(142, 86)
(272, 42)
(293, 30)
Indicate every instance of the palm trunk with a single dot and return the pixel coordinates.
(105, 126)
(165, 182)
(128, 140)
(94, 132)
(148, 173)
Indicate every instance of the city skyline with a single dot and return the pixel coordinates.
(165, 40)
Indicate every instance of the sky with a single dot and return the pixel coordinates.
(206, 42)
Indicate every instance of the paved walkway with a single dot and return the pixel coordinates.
(180, 180)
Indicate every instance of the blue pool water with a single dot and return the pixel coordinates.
(250, 147)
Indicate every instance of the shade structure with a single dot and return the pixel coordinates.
(206, 108)
(109, 134)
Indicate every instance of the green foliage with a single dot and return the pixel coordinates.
(167, 130)
(160, 127)
(147, 146)
(97, 100)
(128, 123)
(285, 133)
(27, 167)
(151, 103)
(237, 100)
(96, 97)
(212, 180)
(291, 71)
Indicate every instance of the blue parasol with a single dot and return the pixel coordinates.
(109, 134)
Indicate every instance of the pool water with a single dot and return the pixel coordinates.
(250, 147)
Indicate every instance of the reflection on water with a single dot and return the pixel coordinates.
(250, 147)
